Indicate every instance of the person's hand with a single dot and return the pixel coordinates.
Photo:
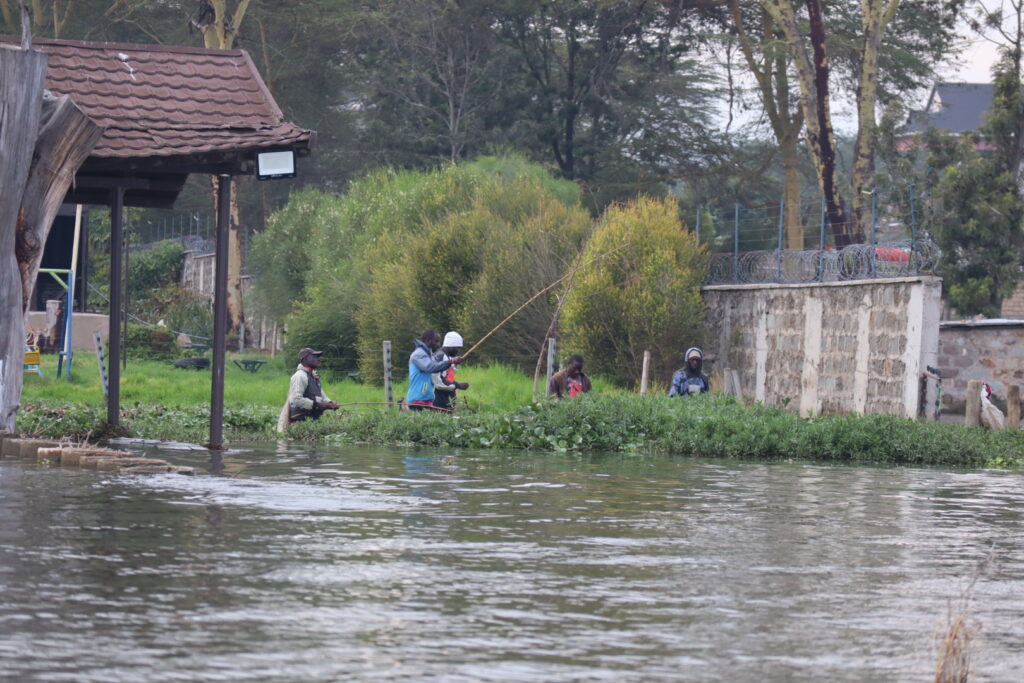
(457, 360)
(462, 385)
(331, 405)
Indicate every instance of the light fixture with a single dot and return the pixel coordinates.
(277, 164)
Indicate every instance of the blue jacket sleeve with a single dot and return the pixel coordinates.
(427, 365)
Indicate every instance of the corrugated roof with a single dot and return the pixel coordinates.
(164, 101)
(953, 107)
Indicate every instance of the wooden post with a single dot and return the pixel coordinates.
(1013, 406)
(972, 414)
(551, 363)
(644, 372)
(389, 395)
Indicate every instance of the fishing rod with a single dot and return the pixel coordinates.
(538, 294)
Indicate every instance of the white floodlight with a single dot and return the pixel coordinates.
(278, 164)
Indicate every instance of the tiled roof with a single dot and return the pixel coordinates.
(162, 101)
(953, 107)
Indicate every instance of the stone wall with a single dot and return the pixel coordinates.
(837, 347)
(1013, 307)
(988, 350)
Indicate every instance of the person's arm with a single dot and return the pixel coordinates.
(426, 364)
(296, 389)
(673, 390)
(555, 387)
(440, 383)
(585, 381)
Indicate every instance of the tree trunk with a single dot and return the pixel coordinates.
(219, 34)
(66, 136)
(813, 73)
(22, 74)
(876, 17)
(234, 302)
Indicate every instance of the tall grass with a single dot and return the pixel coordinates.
(495, 412)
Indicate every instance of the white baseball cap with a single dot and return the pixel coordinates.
(452, 340)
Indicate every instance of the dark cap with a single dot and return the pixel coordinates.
(308, 352)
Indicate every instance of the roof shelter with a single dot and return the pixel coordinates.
(952, 107)
(167, 112)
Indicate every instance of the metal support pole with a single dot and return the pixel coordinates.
(913, 230)
(821, 227)
(389, 394)
(782, 219)
(874, 231)
(699, 212)
(736, 244)
(220, 312)
(114, 324)
(69, 308)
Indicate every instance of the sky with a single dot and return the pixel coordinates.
(975, 63)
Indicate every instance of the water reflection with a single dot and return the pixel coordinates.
(288, 564)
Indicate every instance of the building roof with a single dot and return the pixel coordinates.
(167, 111)
(953, 107)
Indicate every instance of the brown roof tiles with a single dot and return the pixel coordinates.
(161, 101)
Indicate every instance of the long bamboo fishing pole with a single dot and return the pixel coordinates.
(538, 294)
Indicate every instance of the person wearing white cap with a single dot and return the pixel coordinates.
(445, 385)
(690, 379)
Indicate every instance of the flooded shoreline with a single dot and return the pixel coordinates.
(295, 563)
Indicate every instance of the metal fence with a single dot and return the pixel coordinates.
(748, 244)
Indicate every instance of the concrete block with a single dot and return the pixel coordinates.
(11, 448)
(28, 447)
(52, 454)
(73, 456)
(158, 469)
(91, 461)
(107, 464)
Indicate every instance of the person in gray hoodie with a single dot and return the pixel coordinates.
(690, 379)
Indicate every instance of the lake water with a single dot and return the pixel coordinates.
(360, 563)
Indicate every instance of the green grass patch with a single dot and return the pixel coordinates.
(161, 402)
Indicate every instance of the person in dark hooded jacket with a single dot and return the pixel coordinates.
(690, 379)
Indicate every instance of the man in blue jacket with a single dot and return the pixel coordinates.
(421, 366)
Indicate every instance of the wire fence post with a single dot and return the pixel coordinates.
(736, 243)
(874, 232)
(913, 230)
(551, 363)
(782, 218)
(389, 395)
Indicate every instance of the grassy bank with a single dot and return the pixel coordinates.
(163, 403)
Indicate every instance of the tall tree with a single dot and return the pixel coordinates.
(923, 35)
(977, 199)
(605, 82)
(767, 57)
(438, 60)
(219, 21)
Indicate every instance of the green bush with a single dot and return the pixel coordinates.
(154, 268)
(150, 342)
(638, 292)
